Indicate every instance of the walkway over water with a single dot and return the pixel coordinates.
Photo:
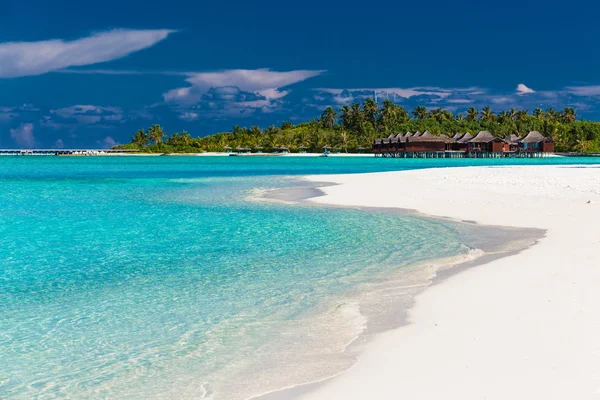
(60, 152)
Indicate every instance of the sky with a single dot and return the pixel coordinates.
(89, 74)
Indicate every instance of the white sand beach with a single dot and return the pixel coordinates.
(526, 326)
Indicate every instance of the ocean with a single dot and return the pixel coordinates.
(169, 277)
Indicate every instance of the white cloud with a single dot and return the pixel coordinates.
(109, 142)
(23, 135)
(522, 89)
(460, 101)
(189, 116)
(90, 114)
(59, 144)
(591, 90)
(35, 58)
(263, 82)
(425, 94)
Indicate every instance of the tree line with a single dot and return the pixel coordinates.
(355, 126)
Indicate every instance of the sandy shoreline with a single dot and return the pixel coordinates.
(521, 327)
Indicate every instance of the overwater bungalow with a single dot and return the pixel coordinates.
(512, 143)
(460, 144)
(485, 142)
(535, 142)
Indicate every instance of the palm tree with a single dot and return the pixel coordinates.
(521, 115)
(344, 139)
(156, 133)
(569, 115)
(538, 113)
(328, 118)
(472, 114)
(346, 117)
(419, 112)
(487, 114)
(140, 138)
(370, 110)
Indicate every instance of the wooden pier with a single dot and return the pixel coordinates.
(63, 152)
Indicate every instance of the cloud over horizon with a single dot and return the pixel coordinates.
(18, 59)
(23, 135)
(234, 92)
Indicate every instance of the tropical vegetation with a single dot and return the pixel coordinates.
(353, 128)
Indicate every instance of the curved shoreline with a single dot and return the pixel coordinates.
(520, 327)
(431, 272)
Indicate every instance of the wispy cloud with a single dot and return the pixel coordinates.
(23, 135)
(430, 95)
(89, 114)
(522, 89)
(34, 58)
(108, 142)
(592, 90)
(261, 82)
(188, 116)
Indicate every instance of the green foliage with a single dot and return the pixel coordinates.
(357, 125)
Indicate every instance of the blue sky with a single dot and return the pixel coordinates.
(89, 74)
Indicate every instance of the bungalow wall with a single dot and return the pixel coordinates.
(548, 147)
(421, 147)
(496, 146)
(459, 146)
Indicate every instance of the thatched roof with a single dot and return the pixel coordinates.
(258, 147)
(432, 138)
(512, 139)
(360, 148)
(329, 147)
(465, 138)
(391, 136)
(457, 135)
(484, 137)
(535, 137)
(227, 148)
(408, 134)
(417, 134)
(378, 141)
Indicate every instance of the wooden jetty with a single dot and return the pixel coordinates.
(63, 152)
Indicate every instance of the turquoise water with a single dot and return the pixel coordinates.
(160, 278)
